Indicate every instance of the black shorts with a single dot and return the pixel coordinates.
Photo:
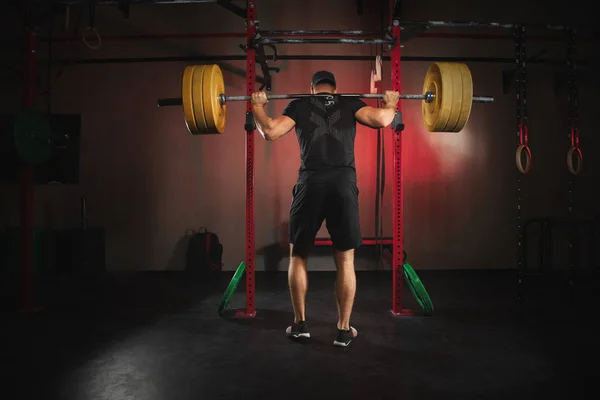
(336, 203)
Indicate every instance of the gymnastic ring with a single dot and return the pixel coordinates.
(579, 157)
(86, 42)
(523, 169)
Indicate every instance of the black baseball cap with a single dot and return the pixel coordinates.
(323, 76)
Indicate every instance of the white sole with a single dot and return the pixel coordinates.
(289, 333)
(344, 344)
(341, 344)
(298, 335)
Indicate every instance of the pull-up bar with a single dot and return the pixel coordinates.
(302, 32)
(263, 40)
(471, 24)
(344, 37)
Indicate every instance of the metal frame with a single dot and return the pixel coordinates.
(397, 308)
(474, 24)
(397, 236)
(397, 233)
(370, 241)
(261, 40)
(250, 311)
(228, 5)
(520, 33)
(302, 57)
(573, 121)
(320, 32)
(407, 34)
(27, 175)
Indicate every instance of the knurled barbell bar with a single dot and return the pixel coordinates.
(446, 107)
(428, 97)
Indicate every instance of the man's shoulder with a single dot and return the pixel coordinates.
(350, 103)
(291, 107)
(352, 99)
(295, 102)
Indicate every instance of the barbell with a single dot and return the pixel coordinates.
(447, 98)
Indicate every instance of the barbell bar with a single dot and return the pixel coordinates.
(446, 102)
(428, 97)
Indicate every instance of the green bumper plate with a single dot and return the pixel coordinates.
(417, 288)
(32, 135)
(233, 284)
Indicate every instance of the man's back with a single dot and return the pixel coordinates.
(325, 128)
(326, 189)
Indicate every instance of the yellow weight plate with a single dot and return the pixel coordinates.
(438, 81)
(187, 98)
(467, 96)
(457, 98)
(213, 86)
(198, 96)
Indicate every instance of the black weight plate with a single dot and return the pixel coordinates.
(32, 135)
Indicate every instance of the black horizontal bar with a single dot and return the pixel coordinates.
(115, 2)
(235, 9)
(321, 32)
(167, 102)
(364, 238)
(205, 59)
(473, 24)
(264, 40)
(458, 24)
(170, 102)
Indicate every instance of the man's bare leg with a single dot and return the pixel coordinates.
(345, 286)
(298, 283)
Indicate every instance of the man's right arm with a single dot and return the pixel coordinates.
(376, 117)
(379, 117)
(270, 128)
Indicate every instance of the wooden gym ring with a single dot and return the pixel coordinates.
(200, 88)
(452, 88)
(578, 156)
(524, 169)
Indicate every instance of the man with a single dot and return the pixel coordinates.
(326, 188)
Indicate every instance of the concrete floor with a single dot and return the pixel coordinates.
(158, 336)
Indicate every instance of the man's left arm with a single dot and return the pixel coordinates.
(379, 117)
(270, 128)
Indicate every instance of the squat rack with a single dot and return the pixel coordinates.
(257, 40)
(254, 48)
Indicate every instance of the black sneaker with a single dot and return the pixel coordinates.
(344, 338)
(299, 330)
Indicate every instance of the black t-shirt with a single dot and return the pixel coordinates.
(325, 128)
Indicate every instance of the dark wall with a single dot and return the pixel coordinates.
(147, 180)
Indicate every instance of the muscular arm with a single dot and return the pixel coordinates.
(379, 117)
(271, 128)
(376, 117)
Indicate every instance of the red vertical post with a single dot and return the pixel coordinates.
(397, 235)
(27, 201)
(250, 310)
